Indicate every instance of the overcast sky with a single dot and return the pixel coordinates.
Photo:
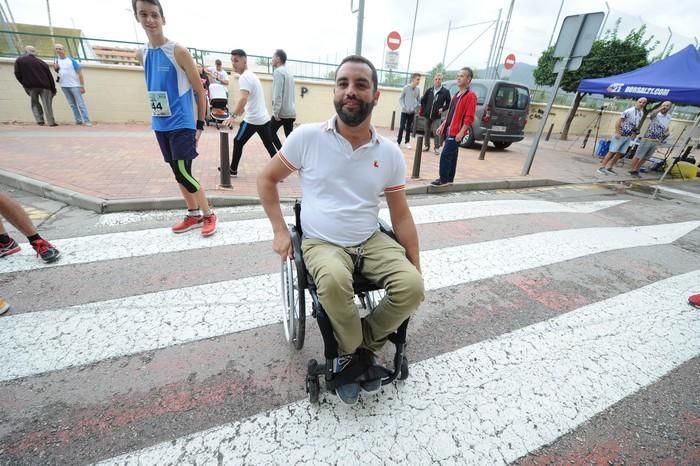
(324, 30)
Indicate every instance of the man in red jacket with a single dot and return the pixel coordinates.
(459, 120)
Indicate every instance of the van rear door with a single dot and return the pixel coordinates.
(509, 108)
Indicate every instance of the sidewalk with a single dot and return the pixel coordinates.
(112, 167)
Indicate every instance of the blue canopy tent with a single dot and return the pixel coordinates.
(675, 78)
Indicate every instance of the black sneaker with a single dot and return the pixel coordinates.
(233, 174)
(350, 392)
(46, 251)
(8, 248)
(438, 182)
(372, 386)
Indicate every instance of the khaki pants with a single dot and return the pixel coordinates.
(385, 263)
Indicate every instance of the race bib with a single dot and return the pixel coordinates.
(160, 106)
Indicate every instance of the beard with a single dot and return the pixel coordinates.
(356, 117)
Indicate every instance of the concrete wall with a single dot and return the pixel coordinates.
(585, 119)
(117, 94)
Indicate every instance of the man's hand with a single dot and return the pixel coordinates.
(618, 135)
(440, 130)
(197, 135)
(230, 120)
(282, 243)
(82, 89)
(276, 118)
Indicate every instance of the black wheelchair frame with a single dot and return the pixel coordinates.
(295, 282)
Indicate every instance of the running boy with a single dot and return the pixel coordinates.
(172, 82)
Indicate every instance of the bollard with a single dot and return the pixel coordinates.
(549, 133)
(223, 160)
(393, 119)
(585, 140)
(416, 159)
(485, 144)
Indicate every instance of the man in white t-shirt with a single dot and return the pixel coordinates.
(626, 129)
(72, 84)
(257, 120)
(657, 131)
(217, 74)
(344, 166)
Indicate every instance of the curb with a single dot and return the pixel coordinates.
(105, 206)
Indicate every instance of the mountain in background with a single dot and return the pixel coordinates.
(520, 73)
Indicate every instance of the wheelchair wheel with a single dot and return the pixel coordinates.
(293, 305)
(373, 298)
(403, 375)
(313, 386)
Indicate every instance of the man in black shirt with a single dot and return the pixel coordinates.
(435, 101)
(35, 76)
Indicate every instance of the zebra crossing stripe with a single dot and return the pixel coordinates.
(38, 342)
(81, 250)
(489, 403)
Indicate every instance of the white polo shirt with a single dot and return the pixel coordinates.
(341, 186)
(255, 110)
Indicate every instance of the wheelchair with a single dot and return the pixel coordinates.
(296, 282)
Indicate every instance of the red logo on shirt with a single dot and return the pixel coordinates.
(376, 164)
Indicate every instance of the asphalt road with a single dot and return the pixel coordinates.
(555, 330)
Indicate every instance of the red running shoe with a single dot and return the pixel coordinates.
(209, 226)
(694, 300)
(8, 248)
(188, 223)
(46, 250)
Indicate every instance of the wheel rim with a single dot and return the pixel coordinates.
(374, 298)
(288, 299)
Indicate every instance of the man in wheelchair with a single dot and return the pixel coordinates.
(344, 166)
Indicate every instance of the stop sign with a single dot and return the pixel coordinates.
(510, 61)
(393, 40)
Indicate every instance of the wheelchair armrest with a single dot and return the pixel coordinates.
(385, 227)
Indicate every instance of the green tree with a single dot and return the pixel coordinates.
(440, 68)
(609, 56)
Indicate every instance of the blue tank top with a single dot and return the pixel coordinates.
(169, 90)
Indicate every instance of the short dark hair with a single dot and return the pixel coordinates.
(152, 2)
(414, 76)
(239, 53)
(361, 59)
(469, 71)
(281, 54)
(217, 62)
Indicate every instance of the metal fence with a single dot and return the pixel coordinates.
(611, 105)
(122, 52)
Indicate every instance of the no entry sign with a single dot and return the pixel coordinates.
(393, 40)
(510, 62)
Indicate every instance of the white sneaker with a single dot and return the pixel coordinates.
(407, 146)
(87, 123)
(602, 171)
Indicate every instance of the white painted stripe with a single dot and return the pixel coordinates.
(95, 248)
(677, 191)
(477, 209)
(488, 403)
(37, 342)
(128, 218)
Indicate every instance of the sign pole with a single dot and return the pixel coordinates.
(536, 141)
(410, 49)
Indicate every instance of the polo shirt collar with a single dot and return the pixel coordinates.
(331, 126)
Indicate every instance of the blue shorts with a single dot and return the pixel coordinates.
(178, 144)
(620, 144)
(645, 150)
